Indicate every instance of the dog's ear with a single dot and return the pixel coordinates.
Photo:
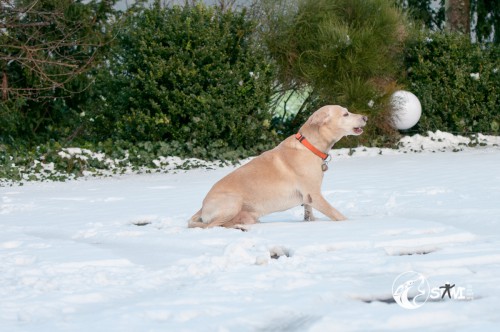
(320, 117)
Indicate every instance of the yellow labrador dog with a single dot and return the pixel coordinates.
(284, 177)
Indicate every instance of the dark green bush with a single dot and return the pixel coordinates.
(192, 76)
(457, 82)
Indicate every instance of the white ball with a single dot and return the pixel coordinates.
(407, 109)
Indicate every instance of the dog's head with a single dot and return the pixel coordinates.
(338, 121)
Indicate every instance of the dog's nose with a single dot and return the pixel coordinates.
(365, 118)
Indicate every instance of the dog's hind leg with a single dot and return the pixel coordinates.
(196, 221)
(242, 220)
(217, 210)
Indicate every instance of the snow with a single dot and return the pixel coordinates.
(114, 254)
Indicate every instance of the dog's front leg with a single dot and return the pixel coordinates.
(321, 204)
(308, 213)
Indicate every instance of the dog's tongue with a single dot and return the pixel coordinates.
(358, 130)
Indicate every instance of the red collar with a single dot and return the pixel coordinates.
(311, 147)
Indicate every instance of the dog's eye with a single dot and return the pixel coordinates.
(346, 114)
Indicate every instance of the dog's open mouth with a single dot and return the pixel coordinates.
(358, 130)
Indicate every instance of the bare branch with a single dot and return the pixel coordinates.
(51, 47)
(23, 25)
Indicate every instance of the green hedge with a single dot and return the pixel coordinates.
(192, 76)
(457, 82)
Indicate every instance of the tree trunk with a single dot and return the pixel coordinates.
(458, 16)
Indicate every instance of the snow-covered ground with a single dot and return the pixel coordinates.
(114, 254)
